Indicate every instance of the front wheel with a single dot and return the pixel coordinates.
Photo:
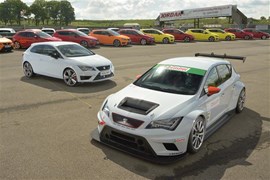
(28, 70)
(227, 38)
(246, 37)
(263, 37)
(116, 43)
(196, 135)
(211, 39)
(187, 39)
(84, 44)
(241, 101)
(143, 42)
(70, 77)
(165, 41)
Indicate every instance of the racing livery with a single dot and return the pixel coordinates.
(173, 107)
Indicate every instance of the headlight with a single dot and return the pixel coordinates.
(106, 109)
(169, 124)
(124, 39)
(86, 68)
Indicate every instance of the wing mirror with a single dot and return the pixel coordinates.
(54, 55)
(138, 76)
(212, 90)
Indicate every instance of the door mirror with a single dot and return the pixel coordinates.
(212, 90)
(138, 76)
(54, 55)
(36, 37)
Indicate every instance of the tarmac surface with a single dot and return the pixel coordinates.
(45, 126)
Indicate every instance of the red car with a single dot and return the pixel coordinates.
(24, 39)
(137, 37)
(240, 33)
(74, 35)
(179, 35)
(257, 34)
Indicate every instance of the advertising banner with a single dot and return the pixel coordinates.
(208, 12)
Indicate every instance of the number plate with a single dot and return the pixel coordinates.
(7, 46)
(104, 73)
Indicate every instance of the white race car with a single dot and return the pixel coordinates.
(66, 60)
(173, 107)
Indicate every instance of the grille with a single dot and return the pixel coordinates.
(102, 68)
(126, 141)
(85, 77)
(99, 77)
(126, 121)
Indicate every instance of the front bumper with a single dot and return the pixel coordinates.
(131, 144)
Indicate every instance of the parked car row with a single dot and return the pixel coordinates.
(123, 37)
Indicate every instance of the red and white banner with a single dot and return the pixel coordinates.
(216, 11)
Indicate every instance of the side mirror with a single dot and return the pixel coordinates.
(54, 55)
(205, 32)
(138, 76)
(212, 90)
(36, 37)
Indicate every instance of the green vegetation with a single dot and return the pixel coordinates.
(41, 11)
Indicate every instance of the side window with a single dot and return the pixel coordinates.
(48, 49)
(23, 34)
(212, 79)
(30, 34)
(224, 72)
(63, 33)
(37, 49)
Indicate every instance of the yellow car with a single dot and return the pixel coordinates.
(203, 35)
(6, 44)
(159, 36)
(222, 34)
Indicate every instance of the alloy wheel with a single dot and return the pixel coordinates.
(70, 77)
(28, 70)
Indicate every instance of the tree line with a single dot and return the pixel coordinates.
(41, 11)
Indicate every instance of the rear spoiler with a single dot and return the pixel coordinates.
(221, 56)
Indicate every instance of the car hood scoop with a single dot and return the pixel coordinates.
(138, 106)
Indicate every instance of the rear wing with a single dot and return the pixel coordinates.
(221, 56)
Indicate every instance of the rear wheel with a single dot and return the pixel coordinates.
(116, 43)
(165, 41)
(17, 45)
(28, 70)
(187, 39)
(84, 43)
(263, 37)
(143, 41)
(228, 38)
(70, 77)
(241, 101)
(211, 39)
(196, 135)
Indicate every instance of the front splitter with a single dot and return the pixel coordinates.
(153, 159)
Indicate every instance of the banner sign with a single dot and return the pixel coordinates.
(209, 12)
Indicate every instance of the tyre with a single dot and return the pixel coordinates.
(211, 39)
(28, 70)
(84, 44)
(17, 45)
(263, 37)
(186, 39)
(116, 43)
(70, 77)
(246, 37)
(143, 42)
(241, 101)
(165, 41)
(196, 135)
(228, 38)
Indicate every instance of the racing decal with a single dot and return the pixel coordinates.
(190, 70)
(212, 104)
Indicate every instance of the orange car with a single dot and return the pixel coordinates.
(6, 44)
(109, 37)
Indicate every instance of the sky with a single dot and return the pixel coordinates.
(150, 9)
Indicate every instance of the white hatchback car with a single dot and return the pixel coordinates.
(172, 108)
(68, 61)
